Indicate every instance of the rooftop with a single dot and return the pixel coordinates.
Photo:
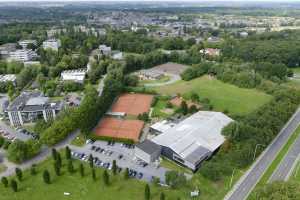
(201, 132)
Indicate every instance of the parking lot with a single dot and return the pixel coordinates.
(105, 152)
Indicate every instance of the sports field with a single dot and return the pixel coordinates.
(119, 128)
(132, 104)
(222, 96)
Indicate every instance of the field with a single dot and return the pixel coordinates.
(84, 188)
(223, 96)
(80, 188)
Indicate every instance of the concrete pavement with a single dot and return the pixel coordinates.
(248, 181)
(287, 164)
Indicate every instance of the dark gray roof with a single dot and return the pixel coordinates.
(29, 101)
(197, 155)
(148, 146)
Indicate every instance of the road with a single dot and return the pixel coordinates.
(287, 164)
(245, 185)
(45, 152)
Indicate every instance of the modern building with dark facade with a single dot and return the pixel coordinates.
(30, 106)
(194, 139)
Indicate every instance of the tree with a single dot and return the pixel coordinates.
(91, 161)
(81, 170)
(105, 178)
(94, 174)
(14, 185)
(17, 151)
(184, 108)
(4, 181)
(175, 179)
(19, 174)
(114, 167)
(68, 153)
(58, 160)
(70, 166)
(57, 168)
(195, 97)
(54, 154)
(126, 174)
(147, 192)
(46, 177)
(162, 196)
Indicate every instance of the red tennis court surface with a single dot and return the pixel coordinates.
(119, 128)
(133, 104)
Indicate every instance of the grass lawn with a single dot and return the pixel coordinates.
(79, 140)
(277, 161)
(2, 168)
(159, 106)
(161, 80)
(33, 187)
(222, 95)
(84, 188)
(171, 165)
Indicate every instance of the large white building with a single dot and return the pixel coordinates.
(192, 140)
(22, 55)
(24, 43)
(31, 106)
(7, 78)
(76, 75)
(52, 44)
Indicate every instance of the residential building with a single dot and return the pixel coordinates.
(7, 78)
(76, 75)
(30, 106)
(210, 52)
(117, 55)
(24, 43)
(52, 44)
(22, 55)
(194, 139)
(5, 49)
(105, 50)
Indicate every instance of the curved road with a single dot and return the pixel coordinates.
(245, 185)
(173, 78)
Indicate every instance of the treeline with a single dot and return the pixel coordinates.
(137, 62)
(274, 47)
(244, 134)
(246, 75)
(91, 109)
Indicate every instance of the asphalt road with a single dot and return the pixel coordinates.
(287, 164)
(245, 185)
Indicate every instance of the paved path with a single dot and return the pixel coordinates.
(101, 85)
(287, 164)
(40, 157)
(245, 185)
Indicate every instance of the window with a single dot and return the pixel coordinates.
(178, 159)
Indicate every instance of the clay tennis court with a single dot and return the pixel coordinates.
(133, 104)
(119, 128)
